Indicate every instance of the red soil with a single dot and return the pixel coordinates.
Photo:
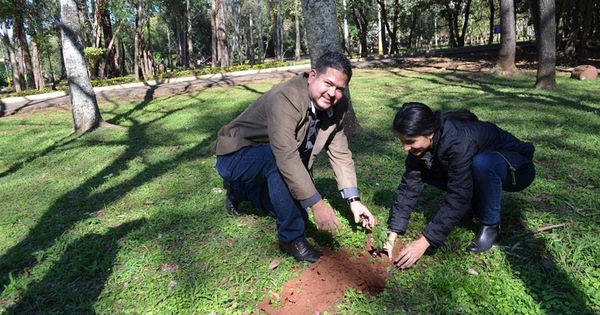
(322, 285)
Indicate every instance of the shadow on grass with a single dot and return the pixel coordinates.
(548, 284)
(530, 258)
(75, 281)
(86, 200)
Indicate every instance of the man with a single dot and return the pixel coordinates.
(265, 155)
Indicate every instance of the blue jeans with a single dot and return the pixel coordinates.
(254, 177)
(490, 177)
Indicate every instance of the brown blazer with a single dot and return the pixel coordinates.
(280, 118)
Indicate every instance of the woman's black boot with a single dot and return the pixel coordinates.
(487, 236)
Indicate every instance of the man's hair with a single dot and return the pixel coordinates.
(334, 60)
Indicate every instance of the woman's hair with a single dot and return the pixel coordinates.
(416, 119)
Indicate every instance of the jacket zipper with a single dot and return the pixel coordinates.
(511, 168)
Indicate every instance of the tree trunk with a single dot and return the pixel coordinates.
(585, 12)
(508, 41)
(14, 67)
(235, 37)
(190, 46)
(297, 25)
(465, 24)
(362, 24)
(37, 67)
(251, 40)
(323, 35)
(25, 69)
(492, 19)
(543, 14)
(279, 32)
(261, 35)
(86, 115)
(137, 39)
(222, 52)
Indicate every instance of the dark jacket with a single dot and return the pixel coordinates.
(454, 147)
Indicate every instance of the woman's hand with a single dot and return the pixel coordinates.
(388, 247)
(411, 253)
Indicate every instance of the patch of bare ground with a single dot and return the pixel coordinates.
(321, 286)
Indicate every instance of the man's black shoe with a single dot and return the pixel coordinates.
(231, 203)
(301, 250)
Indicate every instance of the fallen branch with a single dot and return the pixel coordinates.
(546, 228)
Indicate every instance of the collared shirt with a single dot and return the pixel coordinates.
(307, 145)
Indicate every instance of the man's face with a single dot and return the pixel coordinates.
(326, 89)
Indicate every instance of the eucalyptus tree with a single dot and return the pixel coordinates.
(390, 23)
(508, 40)
(363, 13)
(186, 20)
(544, 21)
(20, 36)
(12, 57)
(457, 13)
(84, 105)
(298, 40)
(578, 21)
(220, 55)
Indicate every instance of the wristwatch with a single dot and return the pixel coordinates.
(352, 199)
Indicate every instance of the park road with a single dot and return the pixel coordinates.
(144, 90)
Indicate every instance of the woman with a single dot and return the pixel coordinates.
(473, 161)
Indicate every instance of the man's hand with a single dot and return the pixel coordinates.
(411, 253)
(325, 218)
(361, 211)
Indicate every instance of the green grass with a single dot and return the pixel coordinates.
(131, 221)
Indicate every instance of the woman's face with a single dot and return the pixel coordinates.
(416, 145)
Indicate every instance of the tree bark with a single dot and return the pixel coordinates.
(261, 35)
(297, 26)
(323, 35)
(508, 41)
(137, 40)
(37, 67)
(25, 68)
(585, 12)
(543, 13)
(190, 46)
(14, 67)
(222, 52)
(492, 19)
(85, 112)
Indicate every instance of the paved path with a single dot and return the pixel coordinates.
(135, 91)
(141, 90)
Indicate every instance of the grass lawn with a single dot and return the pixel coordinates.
(131, 220)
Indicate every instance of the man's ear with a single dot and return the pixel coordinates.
(312, 75)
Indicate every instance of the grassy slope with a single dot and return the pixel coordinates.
(132, 221)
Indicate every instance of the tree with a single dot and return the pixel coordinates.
(544, 21)
(508, 40)
(85, 112)
(323, 35)
(10, 49)
(220, 52)
(454, 11)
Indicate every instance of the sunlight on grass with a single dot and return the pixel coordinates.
(132, 220)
